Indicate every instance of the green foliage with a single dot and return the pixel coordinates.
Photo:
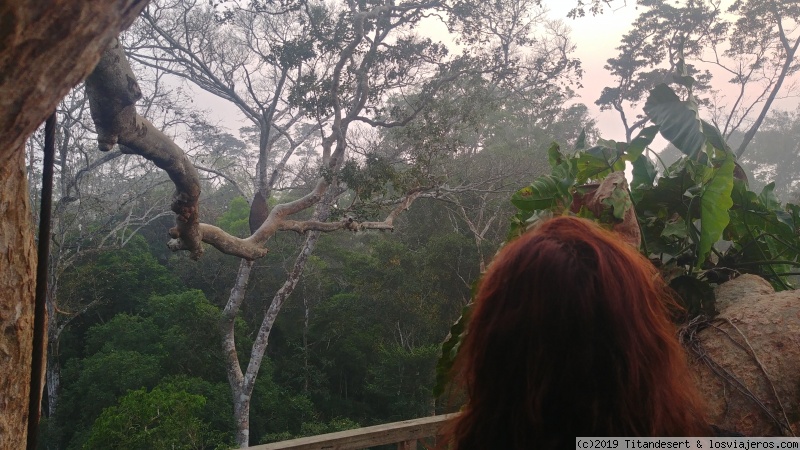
(715, 204)
(377, 307)
(159, 419)
(399, 384)
(96, 382)
(125, 332)
(188, 324)
(375, 178)
(338, 424)
(217, 411)
(172, 342)
(312, 429)
(235, 219)
(684, 213)
(119, 280)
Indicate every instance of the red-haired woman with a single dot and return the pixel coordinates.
(571, 336)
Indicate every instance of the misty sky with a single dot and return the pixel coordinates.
(596, 39)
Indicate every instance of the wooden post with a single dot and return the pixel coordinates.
(407, 445)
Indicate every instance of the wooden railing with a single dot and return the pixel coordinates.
(405, 434)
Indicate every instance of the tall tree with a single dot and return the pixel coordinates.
(495, 138)
(754, 42)
(765, 40)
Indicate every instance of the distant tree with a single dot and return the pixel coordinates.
(495, 138)
(774, 154)
(754, 41)
(164, 342)
(96, 382)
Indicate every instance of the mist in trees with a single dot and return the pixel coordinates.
(353, 210)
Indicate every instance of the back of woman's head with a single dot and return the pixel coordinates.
(571, 336)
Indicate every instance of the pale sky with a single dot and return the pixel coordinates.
(596, 39)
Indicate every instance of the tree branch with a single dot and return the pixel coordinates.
(113, 92)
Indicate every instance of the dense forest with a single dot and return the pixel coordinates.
(374, 163)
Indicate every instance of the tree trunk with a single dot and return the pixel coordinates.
(17, 282)
(241, 415)
(53, 367)
(787, 65)
(242, 384)
(52, 378)
(45, 49)
(241, 400)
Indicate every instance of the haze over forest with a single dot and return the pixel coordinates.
(347, 179)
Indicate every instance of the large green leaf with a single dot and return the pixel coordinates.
(715, 202)
(645, 137)
(675, 229)
(678, 120)
(793, 212)
(644, 174)
(580, 144)
(597, 162)
(714, 136)
(546, 192)
(759, 213)
(554, 155)
(670, 196)
(562, 166)
(768, 197)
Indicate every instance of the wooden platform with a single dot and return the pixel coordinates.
(405, 434)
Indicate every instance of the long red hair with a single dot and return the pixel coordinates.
(571, 336)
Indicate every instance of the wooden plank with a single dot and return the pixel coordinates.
(359, 438)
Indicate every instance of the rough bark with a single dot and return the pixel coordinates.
(747, 360)
(45, 49)
(17, 278)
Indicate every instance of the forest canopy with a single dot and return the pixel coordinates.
(319, 251)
